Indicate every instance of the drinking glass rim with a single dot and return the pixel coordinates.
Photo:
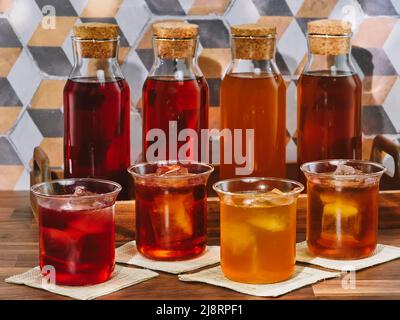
(343, 177)
(185, 176)
(296, 190)
(34, 188)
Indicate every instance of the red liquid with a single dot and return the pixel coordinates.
(329, 117)
(79, 244)
(96, 131)
(170, 221)
(166, 99)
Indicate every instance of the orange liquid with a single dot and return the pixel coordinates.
(258, 242)
(259, 103)
(342, 222)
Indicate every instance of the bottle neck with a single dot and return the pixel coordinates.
(329, 64)
(329, 55)
(96, 60)
(175, 58)
(253, 55)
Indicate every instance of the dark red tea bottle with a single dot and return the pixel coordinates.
(175, 96)
(97, 109)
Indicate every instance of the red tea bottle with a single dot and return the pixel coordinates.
(96, 109)
(329, 96)
(175, 96)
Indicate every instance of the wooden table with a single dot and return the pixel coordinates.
(19, 252)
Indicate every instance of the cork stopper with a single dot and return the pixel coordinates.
(329, 37)
(253, 41)
(101, 39)
(175, 40)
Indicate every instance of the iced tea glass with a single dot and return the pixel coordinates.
(76, 229)
(258, 228)
(342, 207)
(171, 208)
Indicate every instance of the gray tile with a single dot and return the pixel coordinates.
(8, 156)
(147, 57)
(378, 7)
(272, 7)
(165, 7)
(8, 38)
(376, 121)
(62, 7)
(373, 61)
(213, 33)
(213, 89)
(8, 97)
(49, 122)
(51, 60)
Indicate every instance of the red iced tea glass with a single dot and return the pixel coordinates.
(171, 208)
(76, 229)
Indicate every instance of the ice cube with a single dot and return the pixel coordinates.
(344, 170)
(272, 198)
(81, 191)
(172, 170)
(172, 217)
(238, 238)
(269, 221)
(340, 219)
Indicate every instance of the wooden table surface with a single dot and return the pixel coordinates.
(19, 252)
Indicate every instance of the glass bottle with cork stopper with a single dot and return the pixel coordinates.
(175, 95)
(253, 96)
(97, 109)
(329, 96)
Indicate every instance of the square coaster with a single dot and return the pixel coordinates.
(382, 254)
(302, 276)
(122, 277)
(129, 254)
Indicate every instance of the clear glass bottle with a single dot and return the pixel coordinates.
(97, 109)
(175, 95)
(329, 96)
(253, 96)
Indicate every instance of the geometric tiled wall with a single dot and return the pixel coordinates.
(36, 57)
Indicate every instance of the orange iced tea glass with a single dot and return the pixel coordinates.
(258, 228)
(171, 209)
(342, 207)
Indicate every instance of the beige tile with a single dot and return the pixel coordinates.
(53, 37)
(366, 147)
(213, 62)
(8, 116)
(5, 5)
(123, 52)
(107, 8)
(205, 7)
(376, 88)
(373, 32)
(53, 147)
(9, 176)
(281, 23)
(49, 95)
(8, 56)
(316, 8)
(214, 118)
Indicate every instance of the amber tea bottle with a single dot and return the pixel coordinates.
(253, 96)
(329, 96)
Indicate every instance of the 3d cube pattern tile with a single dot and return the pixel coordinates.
(36, 57)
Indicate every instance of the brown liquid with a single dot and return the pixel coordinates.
(249, 102)
(342, 221)
(329, 116)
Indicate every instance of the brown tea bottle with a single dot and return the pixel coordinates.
(329, 96)
(253, 96)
